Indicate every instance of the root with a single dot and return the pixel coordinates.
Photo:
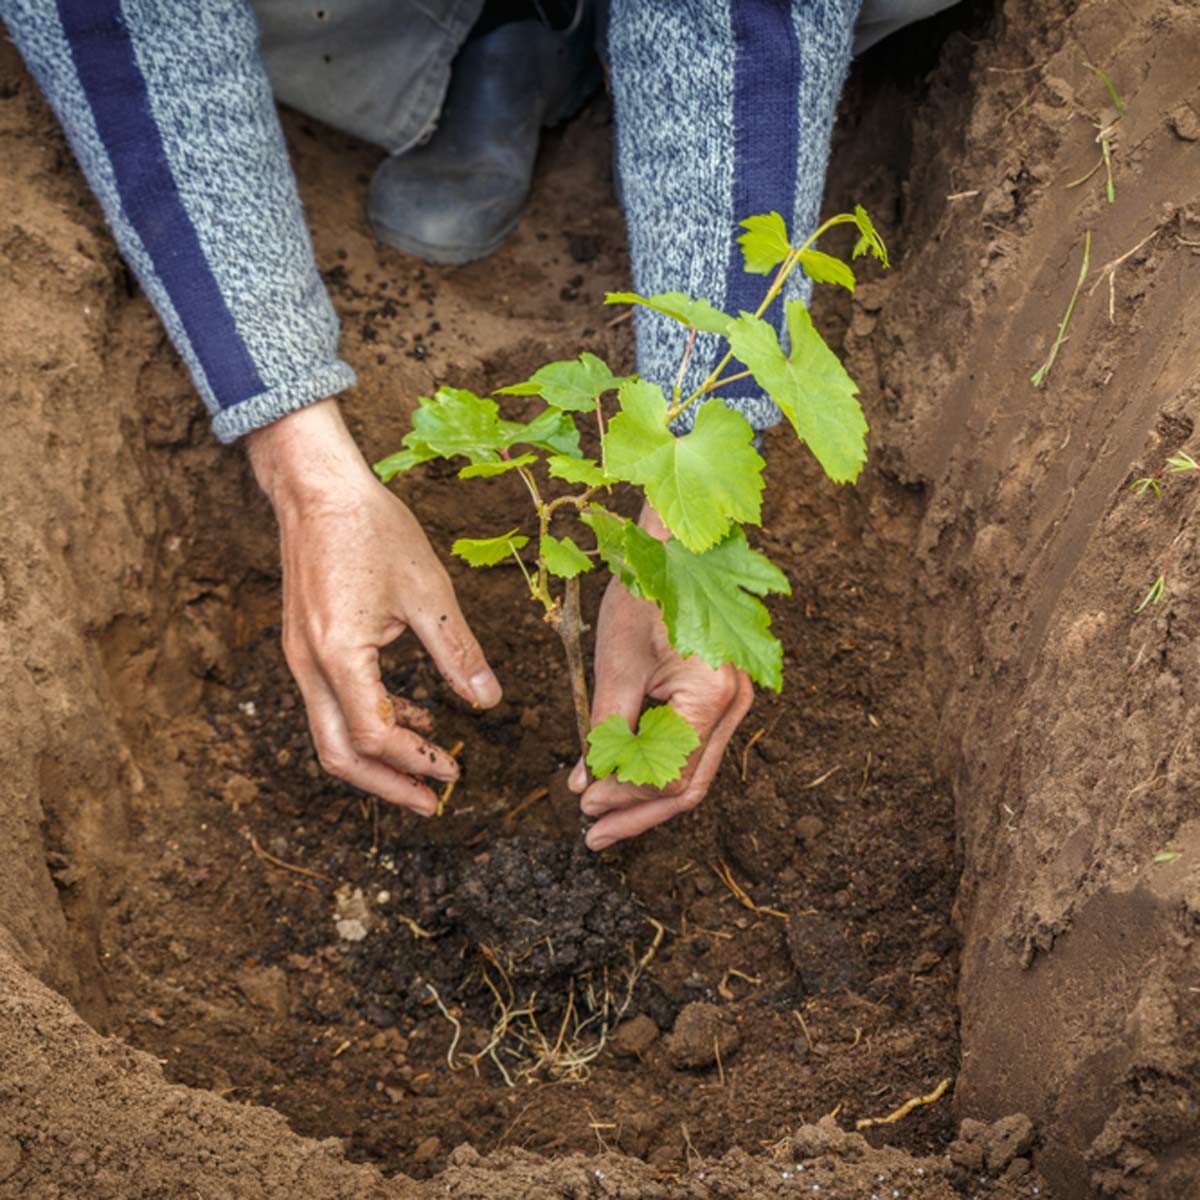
(904, 1109)
(725, 875)
(518, 1046)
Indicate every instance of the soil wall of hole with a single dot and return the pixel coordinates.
(986, 571)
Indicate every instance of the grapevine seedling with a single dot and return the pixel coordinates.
(705, 485)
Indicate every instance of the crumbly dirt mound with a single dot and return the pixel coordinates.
(548, 908)
(968, 691)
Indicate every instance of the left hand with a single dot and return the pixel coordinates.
(635, 662)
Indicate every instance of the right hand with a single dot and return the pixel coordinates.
(357, 572)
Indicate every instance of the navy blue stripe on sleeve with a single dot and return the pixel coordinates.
(116, 92)
(766, 87)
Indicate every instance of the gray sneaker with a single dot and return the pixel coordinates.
(456, 198)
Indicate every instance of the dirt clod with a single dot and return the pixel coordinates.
(635, 1036)
(1006, 1139)
(267, 987)
(701, 1032)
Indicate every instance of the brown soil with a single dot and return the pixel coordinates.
(950, 815)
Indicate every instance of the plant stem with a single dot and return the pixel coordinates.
(568, 623)
(687, 354)
(789, 264)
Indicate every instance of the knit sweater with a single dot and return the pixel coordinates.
(724, 108)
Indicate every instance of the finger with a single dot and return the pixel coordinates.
(370, 721)
(623, 823)
(630, 821)
(620, 692)
(411, 715)
(338, 757)
(704, 711)
(445, 633)
(577, 781)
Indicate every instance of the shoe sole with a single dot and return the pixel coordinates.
(443, 256)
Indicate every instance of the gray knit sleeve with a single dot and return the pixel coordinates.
(168, 110)
(724, 109)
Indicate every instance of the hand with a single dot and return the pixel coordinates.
(635, 661)
(357, 572)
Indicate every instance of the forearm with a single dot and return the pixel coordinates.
(722, 112)
(169, 113)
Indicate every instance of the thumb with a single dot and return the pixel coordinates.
(445, 633)
(617, 692)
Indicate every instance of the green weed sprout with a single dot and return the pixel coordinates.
(1177, 464)
(706, 485)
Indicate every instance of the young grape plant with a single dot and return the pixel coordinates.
(705, 484)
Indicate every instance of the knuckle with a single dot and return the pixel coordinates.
(727, 688)
(368, 742)
(687, 800)
(334, 762)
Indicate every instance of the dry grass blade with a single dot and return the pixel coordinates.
(755, 738)
(1109, 272)
(804, 1028)
(725, 875)
(270, 858)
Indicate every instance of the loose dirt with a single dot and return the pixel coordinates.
(946, 825)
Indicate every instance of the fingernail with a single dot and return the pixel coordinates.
(577, 780)
(485, 687)
(599, 843)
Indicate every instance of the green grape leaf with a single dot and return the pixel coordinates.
(486, 470)
(573, 384)
(869, 241)
(653, 756)
(824, 268)
(487, 552)
(551, 430)
(709, 601)
(403, 460)
(695, 314)
(563, 557)
(699, 483)
(765, 243)
(577, 470)
(811, 387)
(613, 535)
(457, 421)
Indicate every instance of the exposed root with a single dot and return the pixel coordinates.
(725, 875)
(267, 857)
(904, 1109)
(517, 1045)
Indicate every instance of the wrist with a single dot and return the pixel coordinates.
(306, 458)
